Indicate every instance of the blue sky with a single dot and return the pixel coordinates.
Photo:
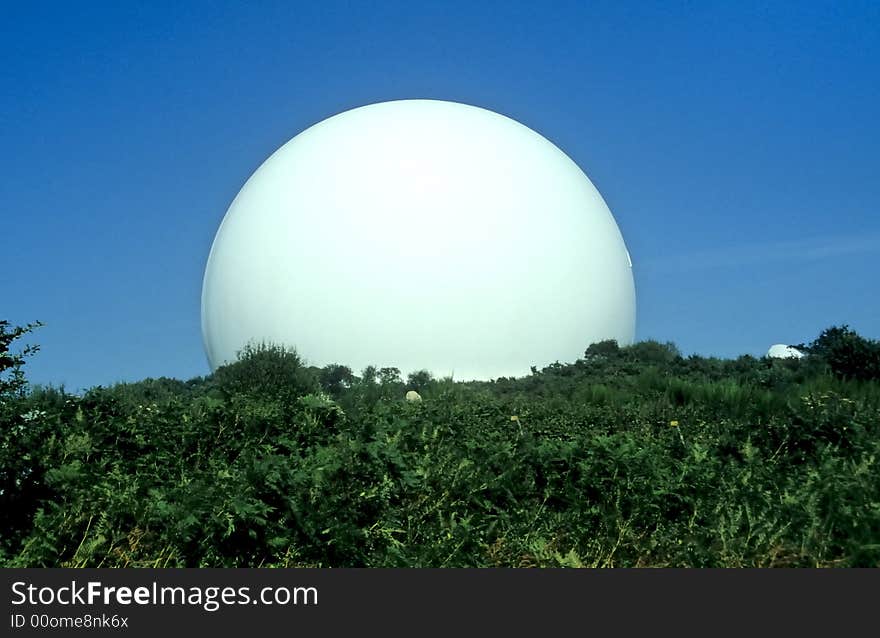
(735, 143)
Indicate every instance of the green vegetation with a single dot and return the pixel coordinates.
(630, 456)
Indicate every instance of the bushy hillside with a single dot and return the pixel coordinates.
(627, 457)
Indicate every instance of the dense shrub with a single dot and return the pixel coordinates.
(266, 371)
(631, 456)
(848, 354)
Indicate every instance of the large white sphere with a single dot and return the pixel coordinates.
(419, 234)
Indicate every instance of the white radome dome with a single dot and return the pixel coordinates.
(782, 351)
(419, 234)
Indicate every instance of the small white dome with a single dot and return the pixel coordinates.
(782, 351)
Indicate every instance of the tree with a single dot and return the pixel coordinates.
(266, 370)
(603, 349)
(419, 380)
(652, 352)
(847, 353)
(12, 379)
(368, 375)
(21, 475)
(335, 378)
(389, 375)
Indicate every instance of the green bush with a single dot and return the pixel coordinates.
(848, 354)
(628, 457)
(267, 371)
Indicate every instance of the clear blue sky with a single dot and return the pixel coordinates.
(736, 144)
